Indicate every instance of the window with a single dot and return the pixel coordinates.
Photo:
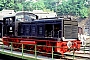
(40, 30)
(33, 29)
(27, 30)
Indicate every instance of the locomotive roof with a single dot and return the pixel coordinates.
(53, 19)
(24, 12)
(47, 20)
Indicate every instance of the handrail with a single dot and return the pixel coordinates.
(52, 33)
(35, 50)
(58, 33)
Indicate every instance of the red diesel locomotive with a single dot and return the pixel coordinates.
(26, 28)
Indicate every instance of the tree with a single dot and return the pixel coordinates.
(39, 5)
(7, 4)
(11, 4)
(1, 5)
(50, 4)
(73, 7)
(64, 7)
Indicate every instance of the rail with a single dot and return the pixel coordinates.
(36, 52)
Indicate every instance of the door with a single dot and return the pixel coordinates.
(0, 30)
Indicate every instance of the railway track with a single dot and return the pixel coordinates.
(77, 56)
(83, 54)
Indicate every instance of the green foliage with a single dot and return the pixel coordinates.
(18, 7)
(1, 5)
(50, 4)
(66, 7)
(88, 11)
(39, 5)
(84, 12)
(73, 7)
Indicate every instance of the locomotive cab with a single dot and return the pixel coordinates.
(23, 17)
(8, 26)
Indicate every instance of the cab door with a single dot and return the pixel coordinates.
(0, 30)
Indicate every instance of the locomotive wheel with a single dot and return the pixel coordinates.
(49, 49)
(75, 46)
(27, 48)
(39, 48)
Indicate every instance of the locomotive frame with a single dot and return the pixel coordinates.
(59, 32)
